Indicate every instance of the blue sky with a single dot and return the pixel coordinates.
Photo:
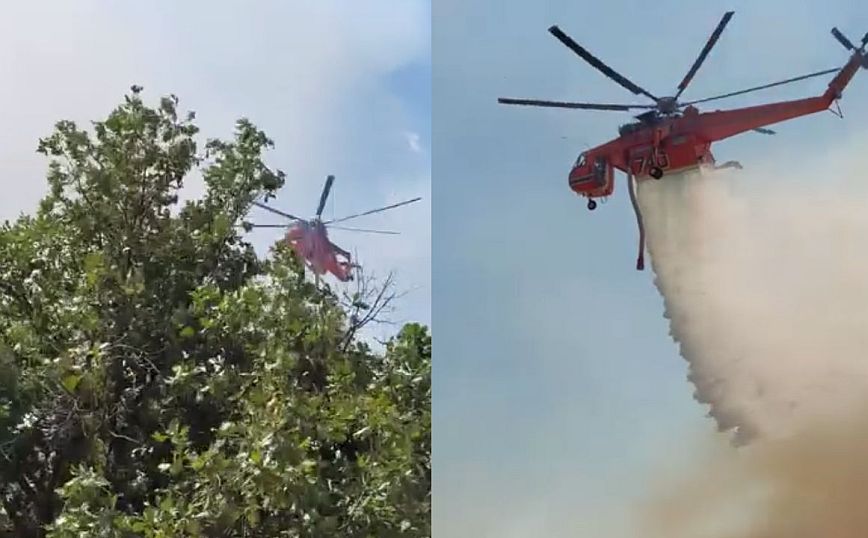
(558, 393)
(342, 88)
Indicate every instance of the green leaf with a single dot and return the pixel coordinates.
(197, 463)
(187, 332)
(252, 516)
(70, 382)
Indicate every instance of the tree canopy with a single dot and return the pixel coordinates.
(159, 379)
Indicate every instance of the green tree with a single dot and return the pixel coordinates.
(158, 379)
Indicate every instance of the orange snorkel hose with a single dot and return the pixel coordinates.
(640, 260)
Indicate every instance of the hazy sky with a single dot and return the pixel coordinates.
(342, 88)
(557, 389)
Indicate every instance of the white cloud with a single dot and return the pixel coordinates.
(413, 142)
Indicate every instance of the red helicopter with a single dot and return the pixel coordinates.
(310, 241)
(673, 136)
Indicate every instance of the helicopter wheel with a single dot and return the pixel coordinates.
(655, 172)
(592, 205)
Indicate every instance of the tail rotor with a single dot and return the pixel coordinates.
(842, 39)
(864, 56)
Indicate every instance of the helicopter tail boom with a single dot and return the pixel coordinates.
(714, 126)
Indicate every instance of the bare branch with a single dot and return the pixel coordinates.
(124, 437)
(369, 301)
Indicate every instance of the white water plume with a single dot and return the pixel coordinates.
(764, 273)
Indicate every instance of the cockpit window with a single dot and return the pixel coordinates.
(581, 160)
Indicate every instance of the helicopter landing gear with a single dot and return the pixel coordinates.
(592, 205)
(656, 172)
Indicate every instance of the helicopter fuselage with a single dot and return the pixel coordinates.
(663, 144)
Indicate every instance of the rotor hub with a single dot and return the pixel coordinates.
(667, 105)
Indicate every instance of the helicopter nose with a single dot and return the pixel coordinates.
(576, 177)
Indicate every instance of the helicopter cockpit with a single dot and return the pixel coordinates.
(588, 174)
(581, 160)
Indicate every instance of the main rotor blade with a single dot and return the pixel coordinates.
(276, 212)
(763, 130)
(271, 225)
(705, 50)
(763, 87)
(562, 104)
(594, 61)
(325, 194)
(343, 219)
(364, 230)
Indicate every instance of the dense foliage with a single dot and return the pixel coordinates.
(158, 379)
